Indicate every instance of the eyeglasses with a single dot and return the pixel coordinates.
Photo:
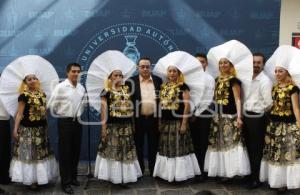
(144, 66)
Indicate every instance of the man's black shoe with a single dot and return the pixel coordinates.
(200, 179)
(254, 185)
(67, 189)
(2, 191)
(75, 183)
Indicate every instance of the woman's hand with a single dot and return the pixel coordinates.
(298, 124)
(183, 128)
(239, 122)
(15, 134)
(103, 133)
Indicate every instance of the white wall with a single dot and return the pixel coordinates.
(289, 20)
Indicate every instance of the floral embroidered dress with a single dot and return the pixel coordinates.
(280, 165)
(33, 160)
(117, 160)
(175, 159)
(226, 155)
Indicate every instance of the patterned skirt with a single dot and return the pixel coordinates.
(175, 159)
(280, 165)
(226, 155)
(116, 159)
(33, 160)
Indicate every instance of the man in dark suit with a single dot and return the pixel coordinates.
(5, 143)
(2, 191)
(145, 90)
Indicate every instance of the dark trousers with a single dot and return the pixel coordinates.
(200, 128)
(146, 126)
(254, 135)
(69, 143)
(5, 154)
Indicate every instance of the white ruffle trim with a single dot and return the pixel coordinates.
(279, 176)
(41, 173)
(177, 168)
(116, 171)
(229, 163)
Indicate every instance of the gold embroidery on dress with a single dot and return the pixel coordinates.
(282, 143)
(222, 90)
(169, 96)
(121, 105)
(37, 105)
(282, 100)
(224, 134)
(33, 145)
(119, 144)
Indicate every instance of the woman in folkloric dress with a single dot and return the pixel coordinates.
(175, 140)
(176, 160)
(33, 162)
(226, 155)
(280, 165)
(116, 159)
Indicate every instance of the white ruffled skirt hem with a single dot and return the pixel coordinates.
(229, 163)
(42, 172)
(117, 172)
(177, 168)
(279, 176)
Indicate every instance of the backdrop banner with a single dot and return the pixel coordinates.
(65, 31)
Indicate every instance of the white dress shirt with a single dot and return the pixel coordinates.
(259, 95)
(207, 95)
(3, 113)
(67, 100)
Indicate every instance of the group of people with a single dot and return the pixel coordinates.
(225, 114)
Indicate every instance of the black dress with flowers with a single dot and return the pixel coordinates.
(282, 132)
(171, 99)
(117, 160)
(119, 105)
(172, 143)
(33, 146)
(282, 110)
(224, 133)
(119, 127)
(226, 155)
(33, 129)
(224, 94)
(280, 165)
(35, 111)
(176, 159)
(281, 159)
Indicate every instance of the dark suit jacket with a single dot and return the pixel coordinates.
(136, 93)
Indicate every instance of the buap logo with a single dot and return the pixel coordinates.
(131, 51)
